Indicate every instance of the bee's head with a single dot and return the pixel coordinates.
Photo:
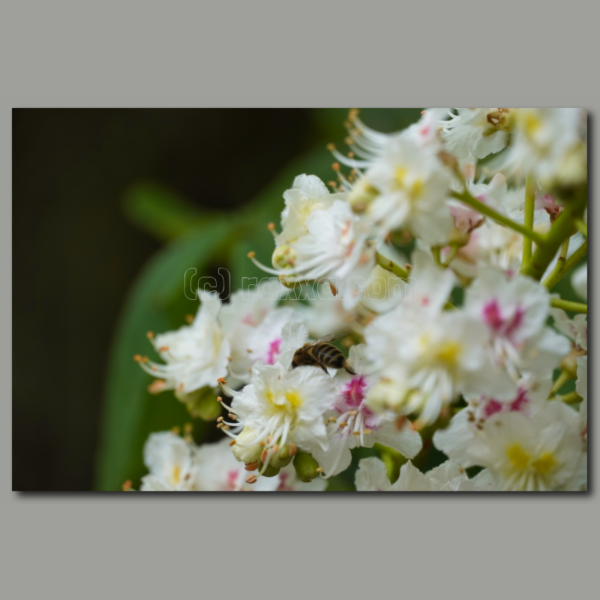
(296, 359)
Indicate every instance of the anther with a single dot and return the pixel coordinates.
(180, 387)
(150, 335)
(293, 449)
(221, 381)
(219, 399)
(263, 455)
(251, 466)
(271, 226)
(331, 147)
(232, 443)
(219, 419)
(275, 448)
(163, 349)
(251, 254)
(189, 318)
(335, 166)
(251, 479)
(176, 430)
(356, 433)
(367, 431)
(320, 470)
(126, 486)
(137, 357)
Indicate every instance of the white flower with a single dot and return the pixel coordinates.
(575, 329)
(579, 281)
(413, 187)
(448, 477)
(333, 248)
(430, 356)
(515, 314)
(196, 354)
(536, 453)
(477, 131)
(253, 324)
(464, 428)
(281, 406)
(170, 460)
(352, 423)
(307, 194)
(550, 143)
(219, 471)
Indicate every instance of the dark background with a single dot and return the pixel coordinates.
(75, 252)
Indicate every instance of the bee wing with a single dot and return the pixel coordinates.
(325, 340)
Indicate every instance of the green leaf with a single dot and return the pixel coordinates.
(162, 212)
(131, 413)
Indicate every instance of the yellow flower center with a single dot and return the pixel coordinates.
(415, 190)
(449, 354)
(521, 460)
(294, 399)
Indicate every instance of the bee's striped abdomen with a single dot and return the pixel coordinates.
(328, 355)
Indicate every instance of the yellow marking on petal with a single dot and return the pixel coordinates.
(176, 475)
(401, 175)
(544, 464)
(294, 399)
(449, 353)
(518, 457)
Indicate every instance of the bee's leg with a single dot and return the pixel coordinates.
(324, 369)
(349, 368)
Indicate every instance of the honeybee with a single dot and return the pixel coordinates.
(321, 354)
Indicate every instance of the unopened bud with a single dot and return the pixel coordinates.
(282, 457)
(306, 466)
(201, 403)
(284, 257)
(270, 471)
(244, 450)
(361, 195)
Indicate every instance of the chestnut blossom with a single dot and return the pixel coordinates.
(170, 460)
(351, 423)
(515, 313)
(537, 453)
(477, 131)
(195, 355)
(448, 477)
(281, 406)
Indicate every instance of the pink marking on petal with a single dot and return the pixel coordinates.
(492, 407)
(520, 401)
(274, 351)
(515, 322)
(492, 315)
(232, 478)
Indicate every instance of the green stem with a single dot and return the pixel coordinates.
(577, 307)
(557, 274)
(571, 398)
(581, 225)
(492, 214)
(529, 210)
(562, 379)
(390, 265)
(561, 229)
(454, 248)
(436, 251)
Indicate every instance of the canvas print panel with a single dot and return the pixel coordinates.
(402, 308)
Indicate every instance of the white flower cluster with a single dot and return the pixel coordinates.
(453, 353)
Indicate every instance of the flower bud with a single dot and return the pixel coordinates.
(270, 471)
(244, 450)
(281, 458)
(361, 195)
(284, 257)
(201, 403)
(306, 466)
